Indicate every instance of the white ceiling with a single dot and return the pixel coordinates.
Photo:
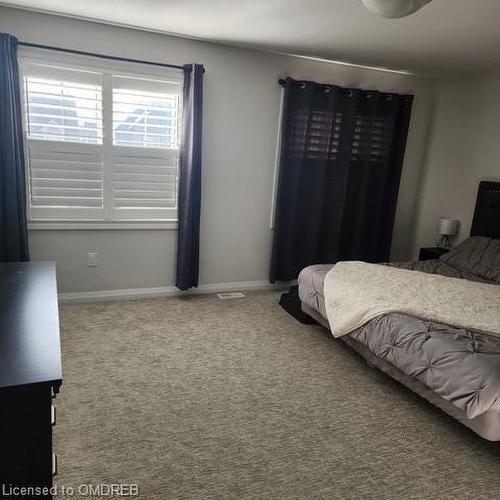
(445, 36)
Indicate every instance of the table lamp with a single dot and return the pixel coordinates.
(447, 227)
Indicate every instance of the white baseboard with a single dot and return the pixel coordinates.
(167, 291)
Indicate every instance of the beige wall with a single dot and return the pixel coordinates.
(240, 128)
(464, 149)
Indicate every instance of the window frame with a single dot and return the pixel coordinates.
(108, 69)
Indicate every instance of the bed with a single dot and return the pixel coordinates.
(456, 369)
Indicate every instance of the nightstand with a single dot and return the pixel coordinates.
(430, 253)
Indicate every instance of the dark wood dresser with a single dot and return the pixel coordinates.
(30, 377)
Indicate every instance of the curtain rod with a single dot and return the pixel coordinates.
(102, 56)
(283, 81)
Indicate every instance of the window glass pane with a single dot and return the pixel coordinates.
(66, 111)
(145, 119)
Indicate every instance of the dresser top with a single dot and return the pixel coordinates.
(30, 349)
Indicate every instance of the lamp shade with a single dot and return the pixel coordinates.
(447, 226)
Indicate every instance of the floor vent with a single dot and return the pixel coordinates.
(230, 295)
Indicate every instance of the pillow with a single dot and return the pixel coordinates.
(478, 255)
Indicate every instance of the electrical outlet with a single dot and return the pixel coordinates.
(92, 259)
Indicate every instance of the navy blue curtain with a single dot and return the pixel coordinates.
(341, 157)
(188, 235)
(13, 225)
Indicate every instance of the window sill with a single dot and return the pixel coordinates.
(98, 225)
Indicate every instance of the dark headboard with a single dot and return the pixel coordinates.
(486, 220)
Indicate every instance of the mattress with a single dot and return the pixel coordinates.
(456, 370)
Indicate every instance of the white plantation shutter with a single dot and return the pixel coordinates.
(66, 182)
(63, 104)
(101, 147)
(145, 148)
(145, 113)
(144, 183)
(64, 122)
(372, 138)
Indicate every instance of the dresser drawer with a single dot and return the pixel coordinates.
(26, 436)
(54, 464)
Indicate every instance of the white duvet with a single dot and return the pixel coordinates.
(356, 292)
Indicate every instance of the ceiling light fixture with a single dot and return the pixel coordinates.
(394, 8)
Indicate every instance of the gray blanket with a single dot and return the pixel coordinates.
(461, 366)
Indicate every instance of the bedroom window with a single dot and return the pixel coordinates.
(102, 145)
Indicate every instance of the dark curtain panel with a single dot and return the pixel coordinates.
(341, 157)
(13, 227)
(188, 236)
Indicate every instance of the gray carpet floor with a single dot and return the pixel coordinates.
(199, 398)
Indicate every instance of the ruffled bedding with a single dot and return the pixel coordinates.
(462, 366)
